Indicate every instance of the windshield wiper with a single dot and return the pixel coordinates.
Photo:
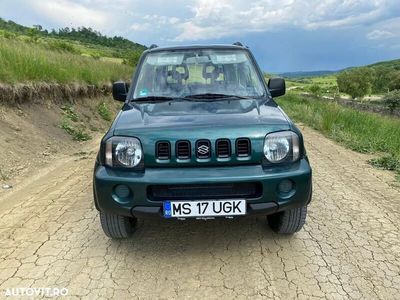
(214, 96)
(153, 99)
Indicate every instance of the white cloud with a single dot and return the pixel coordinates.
(386, 30)
(379, 34)
(69, 13)
(193, 20)
(215, 19)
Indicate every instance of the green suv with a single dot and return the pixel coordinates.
(200, 136)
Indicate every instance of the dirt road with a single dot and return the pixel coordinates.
(350, 247)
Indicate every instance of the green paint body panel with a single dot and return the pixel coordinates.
(187, 120)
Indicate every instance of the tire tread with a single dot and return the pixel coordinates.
(115, 226)
(288, 221)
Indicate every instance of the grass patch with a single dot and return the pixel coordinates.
(104, 111)
(3, 176)
(27, 61)
(360, 131)
(388, 162)
(70, 113)
(77, 134)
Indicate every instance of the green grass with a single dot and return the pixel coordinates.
(388, 162)
(327, 84)
(69, 113)
(104, 111)
(27, 61)
(360, 131)
(77, 134)
(76, 131)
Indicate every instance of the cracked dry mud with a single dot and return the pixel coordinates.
(50, 236)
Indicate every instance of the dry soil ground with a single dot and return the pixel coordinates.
(50, 236)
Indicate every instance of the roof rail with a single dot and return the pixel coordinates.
(238, 44)
(153, 46)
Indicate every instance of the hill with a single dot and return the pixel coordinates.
(389, 64)
(64, 56)
(82, 40)
(306, 74)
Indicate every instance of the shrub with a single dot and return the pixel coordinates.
(316, 90)
(356, 82)
(392, 100)
(132, 58)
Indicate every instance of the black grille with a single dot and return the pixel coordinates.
(223, 148)
(163, 150)
(183, 149)
(243, 147)
(199, 192)
(203, 149)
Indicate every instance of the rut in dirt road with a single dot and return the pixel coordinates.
(349, 247)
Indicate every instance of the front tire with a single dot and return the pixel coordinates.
(288, 221)
(117, 227)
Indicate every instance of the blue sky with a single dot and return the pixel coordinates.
(286, 35)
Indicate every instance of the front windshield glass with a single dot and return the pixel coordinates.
(178, 74)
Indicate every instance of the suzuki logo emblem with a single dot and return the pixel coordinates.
(203, 149)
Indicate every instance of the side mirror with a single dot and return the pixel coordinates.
(277, 87)
(119, 91)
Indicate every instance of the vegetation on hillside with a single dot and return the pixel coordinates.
(82, 40)
(380, 82)
(360, 131)
(26, 62)
(80, 55)
(373, 79)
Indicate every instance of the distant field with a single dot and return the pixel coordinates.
(24, 61)
(327, 83)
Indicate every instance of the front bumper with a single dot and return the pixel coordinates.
(139, 204)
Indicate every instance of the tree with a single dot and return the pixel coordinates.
(132, 58)
(33, 33)
(392, 100)
(38, 27)
(394, 81)
(356, 82)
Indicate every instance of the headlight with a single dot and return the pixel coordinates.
(125, 152)
(281, 146)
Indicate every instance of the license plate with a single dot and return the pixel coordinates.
(200, 209)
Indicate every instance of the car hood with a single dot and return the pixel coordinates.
(188, 114)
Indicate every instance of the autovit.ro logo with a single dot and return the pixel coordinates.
(36, 292)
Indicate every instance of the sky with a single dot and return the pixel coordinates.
(285, 35)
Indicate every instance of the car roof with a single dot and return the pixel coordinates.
(201, 47)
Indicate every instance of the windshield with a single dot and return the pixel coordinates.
(186, 73)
